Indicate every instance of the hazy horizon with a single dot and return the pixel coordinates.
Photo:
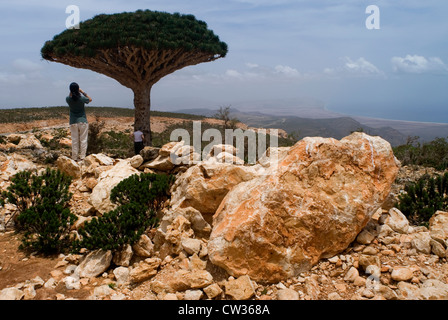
(317, 51)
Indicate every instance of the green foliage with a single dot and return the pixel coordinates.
(150, 190)
(114, 229)
(149, 30)
(431, 154)
(42, 202)
(424, 197)
(138, 198)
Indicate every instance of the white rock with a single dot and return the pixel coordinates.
(351, 275)
(98, 159)
(69, 167)
(191, 246)
(402, 274)
(94, 264)
(11, 294)
(433, 289)
(421, 241)
(397, 221)
(144, 247)
(136, 161)
(287, 294)
(100, 197)
(334, 296)
(29, 293)
(193, 295)
(72, 283)
(123, 257)
(121, 275)
(51, 283)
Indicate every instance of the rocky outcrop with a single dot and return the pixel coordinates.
(316, 201)
(107, 180)
(311, 206)
(205, 185)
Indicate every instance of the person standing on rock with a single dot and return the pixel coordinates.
(138, 141)
(79, 126)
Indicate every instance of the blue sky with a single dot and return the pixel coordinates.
(309, 50)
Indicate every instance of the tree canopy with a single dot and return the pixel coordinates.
(137, 49)
(136, 41)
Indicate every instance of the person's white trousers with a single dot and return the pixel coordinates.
(79, 132)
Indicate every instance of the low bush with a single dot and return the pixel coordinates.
(423, 198)
(148, 189)
(430, 154)
(138, 197)
(115, 228)
(44, 216)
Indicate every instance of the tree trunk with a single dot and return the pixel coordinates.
(142, 105)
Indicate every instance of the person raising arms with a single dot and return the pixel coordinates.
(79, 126)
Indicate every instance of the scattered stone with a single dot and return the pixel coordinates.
(351, 275)
(240, 289)
(136, 161)
(144, 247)
(433, 289)
(123, 257)
(94, 264)
(213, 291)
(69, 167)
(122, 275)
(334, 296)
(287, 294)
(191, 246)
(397, 221)
(402, 274)
(193, 295)
(421, 241)
(11, 294)
(144, 270)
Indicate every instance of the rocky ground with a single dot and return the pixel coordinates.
(389, 260)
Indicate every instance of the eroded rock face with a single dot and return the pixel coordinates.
(311, 206)
(203, 186)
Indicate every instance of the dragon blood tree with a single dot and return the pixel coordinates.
(137, 49)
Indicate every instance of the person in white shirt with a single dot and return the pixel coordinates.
(138, 141)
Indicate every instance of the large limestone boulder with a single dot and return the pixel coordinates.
(100, 197)
(205, 185)
(311, 206)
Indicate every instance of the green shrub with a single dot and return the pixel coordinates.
(44, 217)
(150, 190)
(138, 197)
(115, 229)
(430, 154)
(423, 198)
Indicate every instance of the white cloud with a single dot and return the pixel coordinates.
(20, 72)
(418, 64)
(287, 71)
(359, 67)
(251, 72)
(26, 65)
